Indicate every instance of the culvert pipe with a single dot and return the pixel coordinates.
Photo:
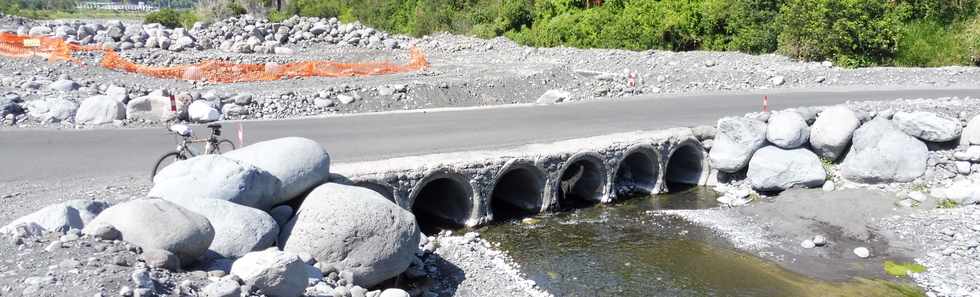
(442, 201)
(686, 166)
(582, 181)
(518, 191)
(637, 172)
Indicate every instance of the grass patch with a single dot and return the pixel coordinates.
(902, 269)
(930, 44)
(947, 203)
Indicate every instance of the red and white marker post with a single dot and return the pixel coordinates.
(241, 135)
(765, 103)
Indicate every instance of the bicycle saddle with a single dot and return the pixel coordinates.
(214, 126)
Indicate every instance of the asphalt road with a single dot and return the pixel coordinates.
(39, 154)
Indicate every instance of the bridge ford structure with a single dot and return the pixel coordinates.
(467, 189)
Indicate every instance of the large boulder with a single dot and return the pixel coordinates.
(776, 169)
(158, 224)
(272, 272)
(737, 139)
(61, 217)
(63, 85)
(787, 130)
(881, 153)
(928, 126)
(299, 163)
(154, 107)
(52, 109)
(832, 131)
(201, 111)
(353, 229)
(238, 229)
(971, 134)
(216, 177)
(100, 109)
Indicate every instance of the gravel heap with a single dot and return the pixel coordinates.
(470, 266)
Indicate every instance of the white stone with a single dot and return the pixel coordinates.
(52, 109)
(808, 244)
(201, 111)
(862, 252)
(158, 224)
(787, 130)
(61, 217)
(272, 272)
(300, 164)
(100, 109)
(928, 126)
(737, 139)
(553, 96)
(832, 131)
(971, 134)
(216, 177)
(776, 169)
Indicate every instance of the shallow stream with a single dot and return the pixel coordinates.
(627, 249)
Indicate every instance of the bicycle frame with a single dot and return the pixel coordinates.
(183, 147)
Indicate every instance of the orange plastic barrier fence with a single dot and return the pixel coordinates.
(55, 49)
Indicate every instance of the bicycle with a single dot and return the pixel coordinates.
(182, 135)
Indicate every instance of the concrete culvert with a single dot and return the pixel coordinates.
(637, 173)
(518, 193)
(382, 189)
(582, 183)
(685, 167)
(442, 204)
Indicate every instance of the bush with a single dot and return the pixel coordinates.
(167, 17)
(851, 32)
(278, 16)
(931, 44)
(235, 9)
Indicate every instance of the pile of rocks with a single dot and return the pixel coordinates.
(230, 216)
(244, 34)
(800, 147)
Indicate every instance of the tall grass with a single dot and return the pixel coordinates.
(930, 44)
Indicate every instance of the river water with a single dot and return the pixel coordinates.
(627, 249)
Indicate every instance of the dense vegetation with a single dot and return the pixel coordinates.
(849, 32)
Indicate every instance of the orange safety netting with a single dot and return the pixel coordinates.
(55, 49)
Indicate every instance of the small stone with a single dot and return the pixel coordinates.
(819, 240)
(126, 291)
(345, 99)
(53, 246)
(777, 80)
(862, 252)
(918, 196)
(157, 258)
(142, 279)
(829, 186)
(808, 244)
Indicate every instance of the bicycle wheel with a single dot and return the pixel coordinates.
(164, 161)
(224, 146)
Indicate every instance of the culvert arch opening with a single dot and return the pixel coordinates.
(685, 167)
(581, 183)
(442, 203)
(517, 193)
(637, 173)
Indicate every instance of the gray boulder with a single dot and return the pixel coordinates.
(553, 96)
(238, 229)
(64, 85)
(787, 130)
(153, 107)
(216, 177)
(273, 273)
(881, 153)
(776, 169)
(971, 135)
(353, 229)
(61, 217)
(928, 126)
(832, 131)
(299, 163)
(100, 109)
(737, 139)
(158, 224)
(223, 287)
(52, 109)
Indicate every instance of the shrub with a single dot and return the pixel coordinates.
(235, 9)
(931, 44)
(851, 32)
(167, 17)
(278, 16)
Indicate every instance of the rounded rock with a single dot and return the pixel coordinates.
(299, 163)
